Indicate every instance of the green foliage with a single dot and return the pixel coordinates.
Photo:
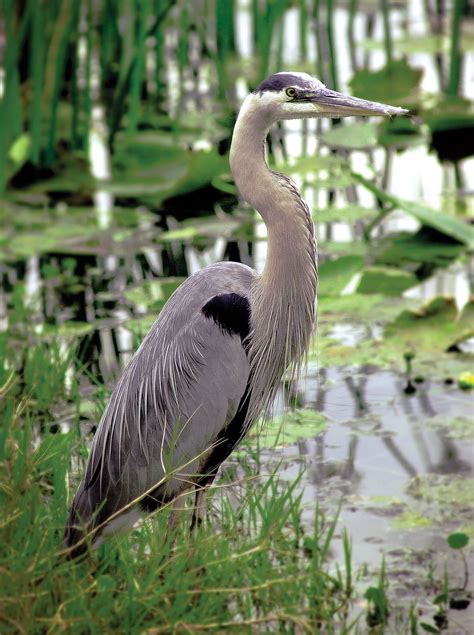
(443, 223)
(393, 83)
(385, 280)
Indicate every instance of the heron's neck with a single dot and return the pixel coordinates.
(284, 296)
(276, 198)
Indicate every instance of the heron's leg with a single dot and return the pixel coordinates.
(173, 519)
(199, 510)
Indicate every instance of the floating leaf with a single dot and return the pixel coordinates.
(392, 83)
(426, 246)
(356, 136)
(432, 327)
(334, 274)
(288, 428)
(444, 490)
(400, 132)
(451, 122)
(385, 280)
(207, 227)
(146, 168)
(411, 519)
(458, 540)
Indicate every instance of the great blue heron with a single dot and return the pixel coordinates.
(213, 359)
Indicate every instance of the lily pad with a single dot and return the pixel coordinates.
(334, 274)
(356, 136)
(442, 489)
(207, 227)
(401, 132)
(425, 247)
(433, 327)
(411, 519)
(392, 83)
(428, 332)
(288, 428)
(145, 168)
(451, 122)
(386, 280)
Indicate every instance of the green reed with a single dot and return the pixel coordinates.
(455, 50)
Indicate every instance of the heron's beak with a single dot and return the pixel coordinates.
(330, 103)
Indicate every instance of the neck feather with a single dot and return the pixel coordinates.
(283, 297)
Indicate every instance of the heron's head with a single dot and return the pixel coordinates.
(300, 96)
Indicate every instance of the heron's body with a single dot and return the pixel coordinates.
(217, 352)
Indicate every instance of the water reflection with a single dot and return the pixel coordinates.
(378, 440)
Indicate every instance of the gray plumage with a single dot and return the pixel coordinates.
(216, 354)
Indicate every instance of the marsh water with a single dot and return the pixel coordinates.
(393, 442)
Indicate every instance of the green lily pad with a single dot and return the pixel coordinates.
(442, 489)
(412, 250)
(386, 280)
(288, 428)
(428, 332)
(390, 84)
(411, 519)
(355, 136)
(334, 274)
(208, 227)
(433, 327)
(146, 168)
(400, 132)
(359, 308)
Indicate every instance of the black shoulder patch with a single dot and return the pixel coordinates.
(279, 81)
(231, 312)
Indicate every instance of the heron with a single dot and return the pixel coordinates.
(216, 354)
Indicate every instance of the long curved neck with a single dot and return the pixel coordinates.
(274, 196)
(283, 298)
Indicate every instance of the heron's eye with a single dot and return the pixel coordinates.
(291, 92)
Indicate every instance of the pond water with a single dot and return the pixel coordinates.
(397, 446)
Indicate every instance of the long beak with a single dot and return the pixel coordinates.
(333, 104)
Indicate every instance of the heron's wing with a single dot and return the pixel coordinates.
(179, 392)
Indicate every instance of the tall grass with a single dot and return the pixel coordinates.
(250, 568)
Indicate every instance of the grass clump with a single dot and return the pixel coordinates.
(251, 568)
